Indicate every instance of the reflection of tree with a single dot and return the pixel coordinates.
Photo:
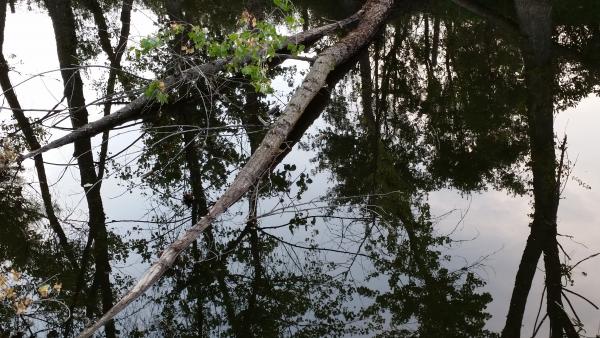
(445, 102)
(447, 118)
(26, 251)
(534, 32)
(368, 159)
(32, 143)
(266, 299)
(536, 24)
(17, 214)
(64, 24)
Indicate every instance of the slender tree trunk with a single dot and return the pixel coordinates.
(436, 42)
(523, 281)
(63, 22)
(114, 56)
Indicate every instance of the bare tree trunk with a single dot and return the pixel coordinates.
(436, 42)
(523, 281)
(534, 31)
(114, 56)
(376, 11)
(63, 22)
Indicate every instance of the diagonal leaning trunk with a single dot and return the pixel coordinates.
(375, 13)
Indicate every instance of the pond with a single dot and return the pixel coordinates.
(439, 181)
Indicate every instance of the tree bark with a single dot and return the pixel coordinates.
(376, 11)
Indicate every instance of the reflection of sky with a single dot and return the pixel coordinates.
(497, 221)
(29, 36)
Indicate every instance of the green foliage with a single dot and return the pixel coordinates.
(248, 49)
(285, 5)
(156, 90)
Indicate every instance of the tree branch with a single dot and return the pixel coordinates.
(273, 144)
(143, 105)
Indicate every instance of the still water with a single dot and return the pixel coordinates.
(403, 209)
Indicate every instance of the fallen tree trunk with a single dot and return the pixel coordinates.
(375, 12)
(145, 105)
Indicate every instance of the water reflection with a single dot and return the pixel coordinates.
(451, 94)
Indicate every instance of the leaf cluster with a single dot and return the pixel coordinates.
(248, 49)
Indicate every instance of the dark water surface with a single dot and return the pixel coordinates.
(458, 150)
